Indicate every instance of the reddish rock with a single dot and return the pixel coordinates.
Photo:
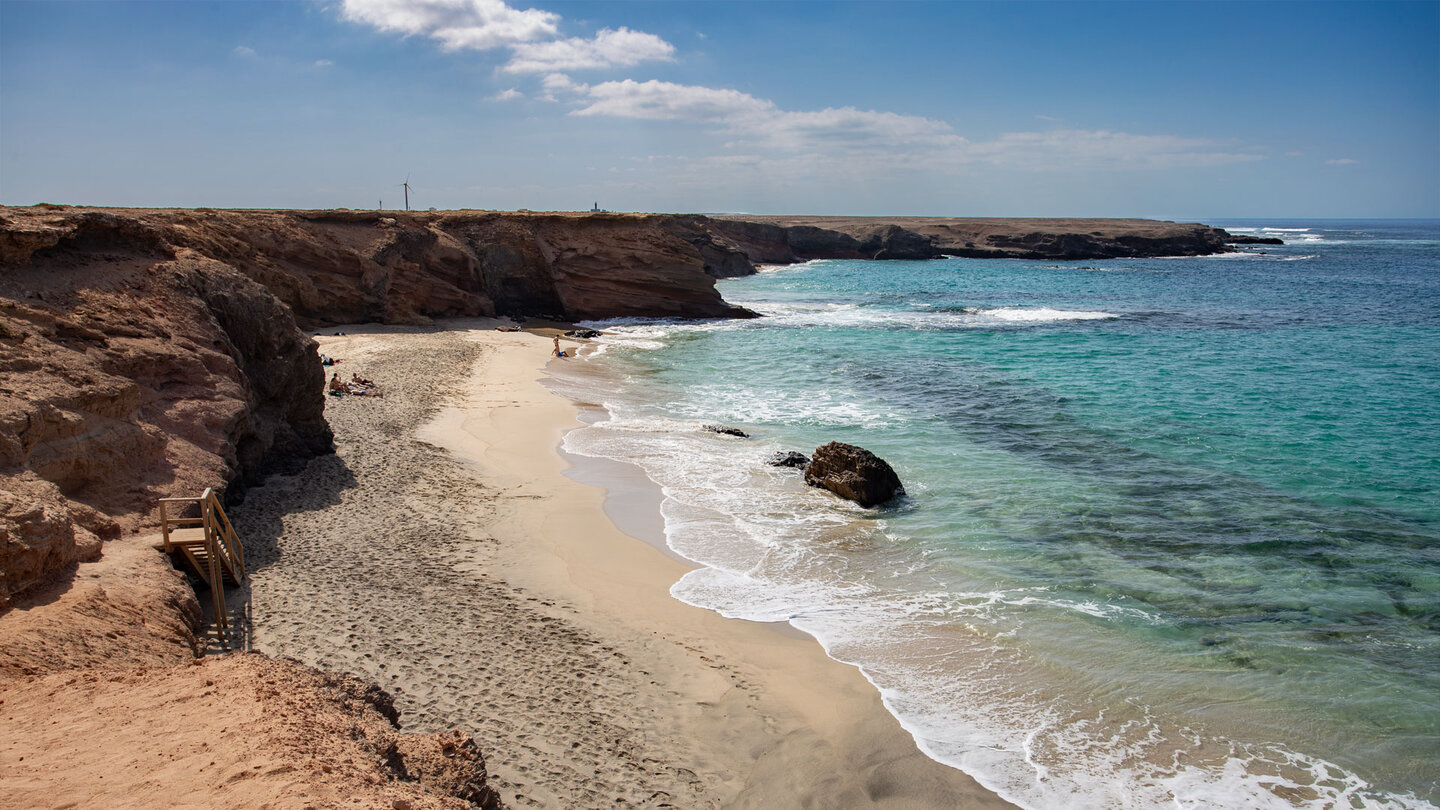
(153, 353)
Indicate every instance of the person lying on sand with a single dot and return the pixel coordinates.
(361, 387)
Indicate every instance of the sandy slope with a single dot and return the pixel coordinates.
(103, 704)
(238, 731)
(468, 576)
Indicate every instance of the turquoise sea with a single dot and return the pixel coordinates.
(1172, 531)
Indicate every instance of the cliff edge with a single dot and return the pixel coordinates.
(153, 353)
(788, 239)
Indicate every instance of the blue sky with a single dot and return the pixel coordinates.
(1162, 109)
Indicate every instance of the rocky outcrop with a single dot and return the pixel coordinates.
(789, 458)
(766, 243)
(350, 267)
(1247, 239)
(783, 240)
(133, 369)
(152, 353)
(760, 243)
(853, 473)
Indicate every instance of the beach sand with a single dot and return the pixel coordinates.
(443, 553)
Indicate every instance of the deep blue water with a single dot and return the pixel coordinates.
(1173, 526)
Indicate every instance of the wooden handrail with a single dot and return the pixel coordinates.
(222, 546)
(232, 540)
(217, 577)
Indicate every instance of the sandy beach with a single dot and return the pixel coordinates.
(443, 553)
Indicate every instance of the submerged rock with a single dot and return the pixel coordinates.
(789, 459)
(726, 431)
(853, 473)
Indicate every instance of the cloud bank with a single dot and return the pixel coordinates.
(890, 137)
(752, 128)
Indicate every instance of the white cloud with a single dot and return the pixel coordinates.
(890, 139)
(244, 50)
(1342, 161)
(507, 95)
(609, 48)
(323, 63)
(659, 100)
(456, 24)
(530, 34)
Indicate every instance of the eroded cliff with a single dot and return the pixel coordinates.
(786, 239)
(153, 353)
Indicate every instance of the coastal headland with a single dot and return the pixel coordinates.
(153, 353)
(788, 239)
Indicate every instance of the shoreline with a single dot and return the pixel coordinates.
(817, 711)
(520, 614)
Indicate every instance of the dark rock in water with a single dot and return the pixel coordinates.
(582, 333)
(726, 431)
(789, 459)
(1246, 239)
(854, 473)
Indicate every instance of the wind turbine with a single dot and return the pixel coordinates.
(406, 186)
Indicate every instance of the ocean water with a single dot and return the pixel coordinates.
(1172, 530)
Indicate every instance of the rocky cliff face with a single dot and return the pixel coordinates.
(130, 370)
(782, 240)
(148, 354)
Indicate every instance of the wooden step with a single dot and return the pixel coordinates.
(196, 555)
(185, 538)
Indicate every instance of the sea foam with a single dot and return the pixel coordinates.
(951, 646)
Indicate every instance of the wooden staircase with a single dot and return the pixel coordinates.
(207, 545)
